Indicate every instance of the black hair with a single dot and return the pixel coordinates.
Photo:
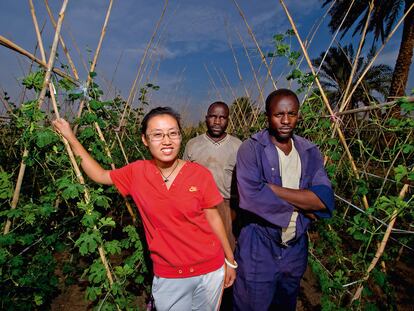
(218, 103)
(280, 93)
(157, 112)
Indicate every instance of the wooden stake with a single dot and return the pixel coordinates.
(383, 243)
(69, 149)
(132, 92)
(13, 46)
(41, 98)
(256, 43)
(326, 101)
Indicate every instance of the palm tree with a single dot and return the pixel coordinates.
(385, 15)
(336, 69)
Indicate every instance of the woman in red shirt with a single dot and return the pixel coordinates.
(177, 202)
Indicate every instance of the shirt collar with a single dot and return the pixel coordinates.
(217, 143)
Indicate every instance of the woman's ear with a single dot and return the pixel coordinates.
(144, 140)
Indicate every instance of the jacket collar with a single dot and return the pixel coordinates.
(301, 144)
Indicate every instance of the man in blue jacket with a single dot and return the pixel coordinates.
(282, 186)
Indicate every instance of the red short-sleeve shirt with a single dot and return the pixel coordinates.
(181, 241)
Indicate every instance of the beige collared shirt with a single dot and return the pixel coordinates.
(290, 172)
(219, 157)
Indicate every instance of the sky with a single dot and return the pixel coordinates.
(190, 60)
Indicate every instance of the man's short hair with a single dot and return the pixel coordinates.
(218, 103)
(280, 93)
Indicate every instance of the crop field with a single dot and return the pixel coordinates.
(67, 243)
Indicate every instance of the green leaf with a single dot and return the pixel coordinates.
(7, 240)
(88, 118)
(362, 188)
(97, 273)
(295, 55)
(92, 74)
(407, 107)
(380, 277)
(75, 96)
(124, 271)
(66, 84)
(38, 300)
(335, 155)
(90, 219)
(295, 74)
(400, 172)
(278, 37)
(408, 148)
(95, 105)
(72, 191)
(6, 186)
(107, 222)
(282, 49)
(4, 256)
(113, 247)
(102, 201)
(87, 133)
(88, 242)
(290, 32)
(360, 236)
(332, 141)
(116, 289)
(26, 239)
(93, 292)
(34, 80)
(45, 137)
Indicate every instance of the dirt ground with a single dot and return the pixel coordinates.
(72, 297)
(401, 276)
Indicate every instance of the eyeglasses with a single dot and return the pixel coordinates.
(159, 136)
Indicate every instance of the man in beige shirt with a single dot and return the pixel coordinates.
(217, 151)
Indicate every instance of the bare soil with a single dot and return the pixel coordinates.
(401, 277)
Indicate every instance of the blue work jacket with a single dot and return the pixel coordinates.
(258, 165)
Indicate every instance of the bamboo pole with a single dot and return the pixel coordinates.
(6, 103)
(356, 60)
(13, 46)
(41, 98)
(248, 96)
(326, 101)
(222, 80)
(236, 62)
(132, 91)
(84, 100)
(383, 243)
(114, 74)
(240, 115)
(391, 166)
(95, 59)
(68, 148)
(335, 35)
(256, 43)
(62, 43)
(219, 96)
(81, 58)
(362, 76)
(36, 25)
(368, 108)
(259, 88)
